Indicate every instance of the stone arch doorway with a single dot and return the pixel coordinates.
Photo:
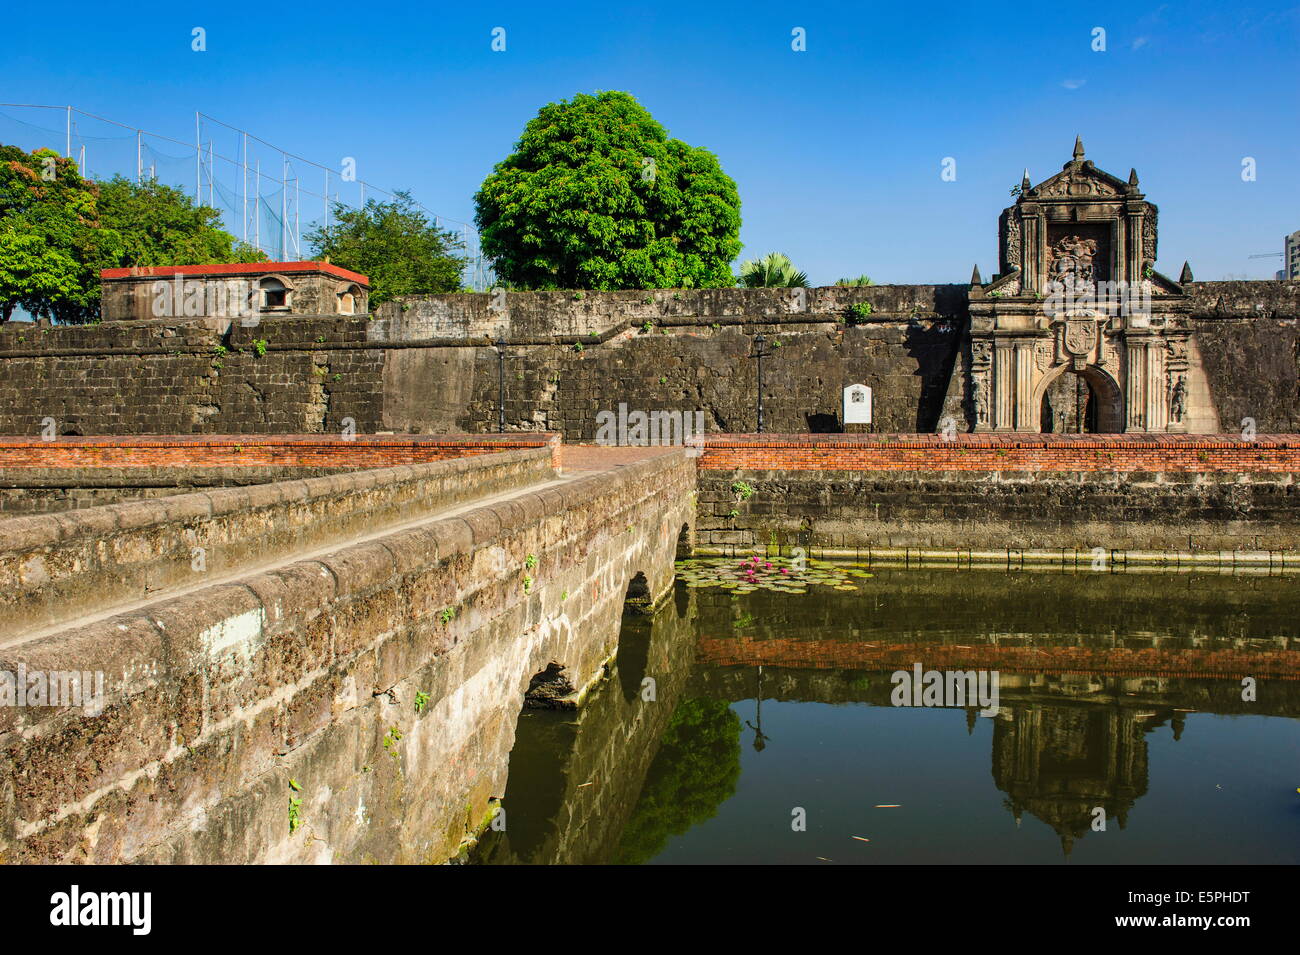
(1080, 402)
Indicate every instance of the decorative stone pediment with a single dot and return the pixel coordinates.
(1079, 181)
(1080, 226)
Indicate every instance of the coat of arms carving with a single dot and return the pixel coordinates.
(1071, 262)
(1079, 337)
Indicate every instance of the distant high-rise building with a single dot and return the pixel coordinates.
(1291, 257)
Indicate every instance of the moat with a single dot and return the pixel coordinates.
(736, 712)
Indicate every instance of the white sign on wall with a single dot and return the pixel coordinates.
(857, 404)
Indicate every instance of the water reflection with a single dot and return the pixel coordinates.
(725, 712)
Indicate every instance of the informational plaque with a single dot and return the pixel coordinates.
(857, 405)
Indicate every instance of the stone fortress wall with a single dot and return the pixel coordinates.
(428, 365)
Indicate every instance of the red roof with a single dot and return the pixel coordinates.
(233, 268)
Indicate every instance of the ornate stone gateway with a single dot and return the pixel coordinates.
(1078, 296)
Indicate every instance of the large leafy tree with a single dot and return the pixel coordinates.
(58, 230)
(596, 196)
(395, 245)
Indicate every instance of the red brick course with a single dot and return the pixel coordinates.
(1002, 452)
(234, 268)
(1110, 661)
(293, 450)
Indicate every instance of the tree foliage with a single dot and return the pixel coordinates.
(160, 225)
(860, 282)
(51, 244)
(694, 772)
(393, 243)
(58, 230)
(597, 196)
(773, 270)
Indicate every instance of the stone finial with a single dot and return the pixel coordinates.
(1133, 177)
(975, 276)
(1185, 275)
(1025, 185)
(1078, 149)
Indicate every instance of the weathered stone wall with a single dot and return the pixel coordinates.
(47, 490)
(615, 737)
(57, 567)
(427, 364)
(1175, 512)
(341, 673)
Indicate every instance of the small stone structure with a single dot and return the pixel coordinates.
(237, 290)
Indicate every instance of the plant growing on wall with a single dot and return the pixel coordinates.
(860, 282)
(597, 196)
(295, 807)
(773, 270)
(857, 312)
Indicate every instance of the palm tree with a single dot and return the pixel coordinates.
(773, 270)
(859, 282)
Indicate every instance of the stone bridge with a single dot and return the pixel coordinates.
(322, 669)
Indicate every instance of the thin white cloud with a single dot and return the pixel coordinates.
(1072, 84)
(1140, 42)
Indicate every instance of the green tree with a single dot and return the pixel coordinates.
(51, 244)
(160, 225)
(32, 273)
(393, 243)
(596, 196)
(859, 282)
(773, 270)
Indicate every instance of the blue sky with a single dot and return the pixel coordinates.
(837, 150)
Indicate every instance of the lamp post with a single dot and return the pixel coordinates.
(501, 383)
(759, 354)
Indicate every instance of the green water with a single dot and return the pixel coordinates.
(760, 727)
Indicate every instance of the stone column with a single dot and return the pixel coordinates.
(1135, 385)
(1134, 271)
(1026, 419)
(1004, 387)
(1157, 386)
